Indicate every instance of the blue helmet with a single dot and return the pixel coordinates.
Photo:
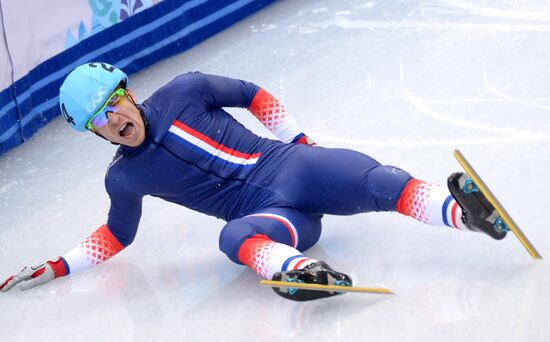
(86, 89)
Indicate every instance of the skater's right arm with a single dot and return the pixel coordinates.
(212, 91)
(101, 245)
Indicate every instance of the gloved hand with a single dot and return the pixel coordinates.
(36, 275)
(305, 140)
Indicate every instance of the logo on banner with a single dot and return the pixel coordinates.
(97, 98)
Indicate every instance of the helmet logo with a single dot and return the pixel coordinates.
(66, 115)
(97, 98)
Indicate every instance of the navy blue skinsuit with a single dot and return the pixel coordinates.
(197, 155)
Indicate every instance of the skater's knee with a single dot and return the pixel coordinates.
(385, 183)
(289, 226)
(232, 237)
(283, 225)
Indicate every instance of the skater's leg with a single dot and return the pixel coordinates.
(271, 240)
(267, 257)
(435, 205)
(338, 182)
(270, 243)
(343, 182)
(431, 204)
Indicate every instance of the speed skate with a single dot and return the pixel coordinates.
(498, 220)
(290, 286)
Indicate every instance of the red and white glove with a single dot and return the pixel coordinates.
(305, 140)
(36, 275)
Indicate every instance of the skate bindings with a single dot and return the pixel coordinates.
(477, 213)
(317, 273)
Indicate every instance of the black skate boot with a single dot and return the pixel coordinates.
(477, 213)
(316, 273)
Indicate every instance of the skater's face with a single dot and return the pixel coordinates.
(124, 124)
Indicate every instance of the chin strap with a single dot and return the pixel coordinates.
(145, 121)
(102, 137)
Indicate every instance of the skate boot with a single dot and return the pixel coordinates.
(477, 213)
(316, 273)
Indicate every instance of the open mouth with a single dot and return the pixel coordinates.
(126, 129)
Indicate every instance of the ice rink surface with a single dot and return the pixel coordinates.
(405, 82)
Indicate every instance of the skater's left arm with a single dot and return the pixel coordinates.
(100, 246)
(219, 91)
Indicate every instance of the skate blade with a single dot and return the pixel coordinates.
(508, 221)
(320, 287)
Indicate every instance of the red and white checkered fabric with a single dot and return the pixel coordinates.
(273, 115)
(414, 200)
(430, 203)
(267, 257)
(94, 250)
(101, 245)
